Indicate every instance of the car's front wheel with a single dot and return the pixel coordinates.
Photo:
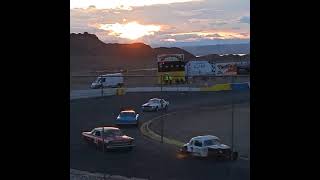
(184, 149)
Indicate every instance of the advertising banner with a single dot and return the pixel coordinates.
(223, 69)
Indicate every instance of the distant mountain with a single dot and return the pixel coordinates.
(216, 58)
(173, 50)
(218, 49)
(88, 53)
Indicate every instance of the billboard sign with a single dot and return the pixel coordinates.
(170, 57)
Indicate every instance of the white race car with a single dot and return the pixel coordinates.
(155, 104)
(207, 146)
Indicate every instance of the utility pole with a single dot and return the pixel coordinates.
(102, 135)
(101, 89)
(161, 114)
(162, 128)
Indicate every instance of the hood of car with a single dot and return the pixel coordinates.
(220, 146)
(86, 133)
(148, 104)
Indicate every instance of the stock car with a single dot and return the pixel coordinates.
(207, 146)
(155, 104)
(128, 117)
(109, 137)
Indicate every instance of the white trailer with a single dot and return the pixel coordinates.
(199, 68)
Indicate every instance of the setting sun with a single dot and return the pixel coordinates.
(131, 30)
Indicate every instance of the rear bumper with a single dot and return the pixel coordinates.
(126, 122)
(120, 146)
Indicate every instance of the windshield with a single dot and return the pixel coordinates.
(153, 100)
(98, 80)
(127, 114)
(113, 132)
(211, 142)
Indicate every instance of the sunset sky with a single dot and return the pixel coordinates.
(163, 22)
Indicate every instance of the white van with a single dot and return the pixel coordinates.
(108, 80)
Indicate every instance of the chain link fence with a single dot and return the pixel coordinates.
(80, 82)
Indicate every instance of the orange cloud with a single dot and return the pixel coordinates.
(169, 40)
(131, 30)
(121, 4)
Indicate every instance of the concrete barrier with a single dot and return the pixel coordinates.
(90, 93)
(159, 89)
(78, 94)
(217, 87)
(239, 86)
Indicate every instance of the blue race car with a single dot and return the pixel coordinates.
(128, 117)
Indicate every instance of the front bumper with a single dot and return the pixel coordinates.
(219, 152)
(96, 86)
(120, 146)
(148, 108)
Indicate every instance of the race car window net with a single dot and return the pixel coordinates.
(198, 143)
(153, 100)
(112, 132)
(97, 133)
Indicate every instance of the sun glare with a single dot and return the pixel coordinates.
(131, 30)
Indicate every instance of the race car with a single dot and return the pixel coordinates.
(128, 117)
(109, 138)
(208, 146)
(155, 104)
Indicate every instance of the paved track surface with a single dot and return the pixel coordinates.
(149, 159)
(210, 120)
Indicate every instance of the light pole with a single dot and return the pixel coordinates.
(102, 135)
(232, 118)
